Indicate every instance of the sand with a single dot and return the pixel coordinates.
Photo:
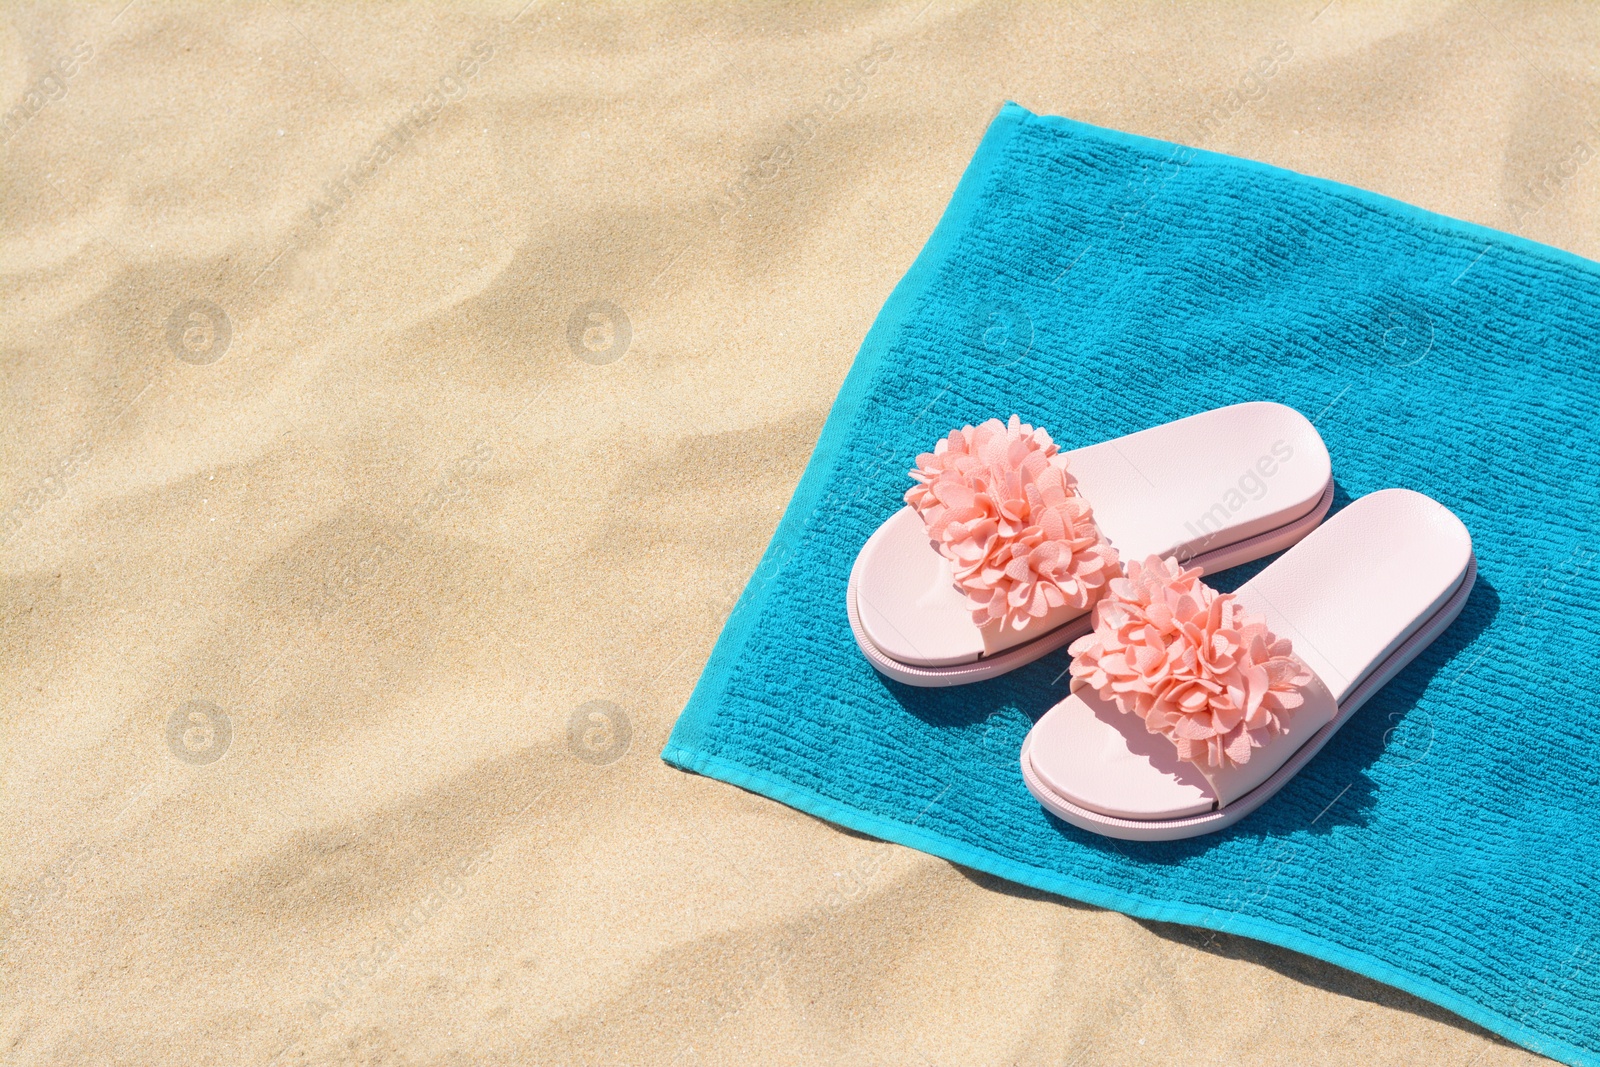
(395, 400)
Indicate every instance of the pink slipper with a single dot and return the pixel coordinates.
(1005, 543)
(1191, 708)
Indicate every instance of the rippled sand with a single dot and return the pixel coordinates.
(396, 399)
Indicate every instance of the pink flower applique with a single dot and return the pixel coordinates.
(1190, 663)
(1011, 522)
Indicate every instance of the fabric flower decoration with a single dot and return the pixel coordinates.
(1189, 662)
(1020, 538)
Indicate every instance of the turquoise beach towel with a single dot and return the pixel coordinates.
(1447, 840)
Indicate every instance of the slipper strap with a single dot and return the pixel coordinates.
(1231, 780)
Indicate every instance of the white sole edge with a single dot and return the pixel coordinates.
(1228, 814)
(1219, 559)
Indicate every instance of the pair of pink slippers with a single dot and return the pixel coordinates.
(1189, 708)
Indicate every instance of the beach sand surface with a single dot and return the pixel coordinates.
(396, 398)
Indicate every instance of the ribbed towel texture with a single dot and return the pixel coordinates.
(1447, 840)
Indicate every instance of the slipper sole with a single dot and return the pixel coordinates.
(1228, 814)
